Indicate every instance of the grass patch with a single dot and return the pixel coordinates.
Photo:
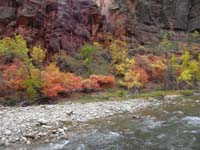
(187, 93)
(160, 93)
(110, 95)
(153, 94)
(122, 95)
(9, 101)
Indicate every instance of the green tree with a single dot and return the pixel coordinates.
(14, 47)
(87, 52)
(17, 48)
(190, 70)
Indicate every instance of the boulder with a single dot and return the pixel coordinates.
(7, 14)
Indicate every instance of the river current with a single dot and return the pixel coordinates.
(173, 125)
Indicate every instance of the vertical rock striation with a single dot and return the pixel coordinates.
(179, 14)
(54, 24)
(67, 24)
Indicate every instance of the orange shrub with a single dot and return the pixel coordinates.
(104, 81)
(143, 76)
(56, 81)
(96, 82)
(53, 90)
(12, 77)
(90, 85)
(72, 82)
(158, 70)
(154, 66)
(53, 80)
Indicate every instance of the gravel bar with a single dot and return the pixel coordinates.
(26, 124)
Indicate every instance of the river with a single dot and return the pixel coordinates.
(173, 125)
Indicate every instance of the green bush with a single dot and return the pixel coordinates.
(14, 47)
(69, 63)
(17, 48)
(187, 93)
(190, 70)
(87, 52)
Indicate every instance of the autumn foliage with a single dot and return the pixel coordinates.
(29, 74)
(25, 71)
(143, 76)
(54, 81)
(12, 78)
(57, 82)
(151, 68)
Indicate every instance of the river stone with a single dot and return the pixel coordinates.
(172, 97)
(27, 123)
(42, 122)
(8, 132)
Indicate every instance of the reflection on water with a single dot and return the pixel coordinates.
(167, 127)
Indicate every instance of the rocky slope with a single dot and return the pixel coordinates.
(67, 24)
(180, 14)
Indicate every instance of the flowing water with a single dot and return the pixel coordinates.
(174, 125)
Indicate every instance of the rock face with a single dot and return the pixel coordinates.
(54, 24)
(178, 14)
(194, 17)
(67, 24)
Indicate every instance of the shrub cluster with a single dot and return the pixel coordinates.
(132, 76)
(26, 73)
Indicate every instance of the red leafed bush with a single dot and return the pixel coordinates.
(12, 77)
(72, 82)
(104, 81)
(56, 82)
(155, 66)
(90, 85)
(96, 82)
(158, 74)
(158, 70)
(143, 76)
(53, 91)
(53, 81)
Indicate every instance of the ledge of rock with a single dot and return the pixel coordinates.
(179, 14)
(67, 24)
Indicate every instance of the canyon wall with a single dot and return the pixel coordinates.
(67, 24)
(177, 14)
(53, 24)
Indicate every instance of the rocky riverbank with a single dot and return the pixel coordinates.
(49, 122)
